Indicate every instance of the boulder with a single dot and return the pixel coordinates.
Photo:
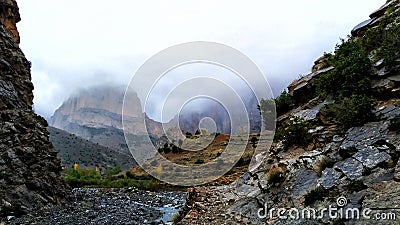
(371, 157)
(303, 89)
(352, 168)
(329, 178)
(387, 88)
(361, 137)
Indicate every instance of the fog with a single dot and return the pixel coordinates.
(78, 44)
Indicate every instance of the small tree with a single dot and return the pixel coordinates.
(283, 103)
(350, 74)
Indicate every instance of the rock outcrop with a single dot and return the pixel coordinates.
(353, 169)
(29, 169)
(96, 115)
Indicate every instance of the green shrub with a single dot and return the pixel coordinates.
(113, 171)
(385, 39)
(314, 195)
(92, 178)
(351, 72)
(293, 132)
(395, 124)
(271, 108)
(253, 142)
(283, 103)
(351, 112)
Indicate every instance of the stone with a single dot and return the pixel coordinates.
(360, 28)
(329, 178)
(397, 171)
(378, 175)
(361, 137)
(303, 90)
(303, 181)
(371, 157)
(337, 138)
(352, 168)
(310, 114)
(311, 154)
(387, 87)
(381, 11)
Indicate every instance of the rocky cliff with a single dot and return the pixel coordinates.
(95, 114)
(351, 169)
(29, 169)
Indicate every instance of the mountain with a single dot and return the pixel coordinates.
(337, 143)
(96, 115)
(73, 149)
(30, 172)
(189, 119)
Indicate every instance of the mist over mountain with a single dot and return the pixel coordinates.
(96, 114)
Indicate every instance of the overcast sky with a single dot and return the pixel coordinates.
(74, 44)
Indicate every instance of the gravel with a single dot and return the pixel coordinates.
(109, 206)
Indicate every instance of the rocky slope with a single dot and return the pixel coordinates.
(348, 169)
(29, 169)
(73, 149)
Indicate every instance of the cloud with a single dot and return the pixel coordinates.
(75, 44)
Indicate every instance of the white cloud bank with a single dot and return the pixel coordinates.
(74, 44)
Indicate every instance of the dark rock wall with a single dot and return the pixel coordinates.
(29, 169)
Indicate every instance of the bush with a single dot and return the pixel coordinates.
(314, 195)
(323, 164)
(271, 108)
(350, 75)
(275, 175)
(92, 178)
(385, 39)
(253, 142)
(293, 132)
(351, 112)
(283, 103)
(395, 124)
(81, 177)
(114, 171)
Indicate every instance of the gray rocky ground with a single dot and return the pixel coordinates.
(109, 206)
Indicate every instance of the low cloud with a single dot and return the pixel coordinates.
(77, 44)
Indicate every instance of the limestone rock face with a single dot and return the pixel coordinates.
(29, 169)
(95, 114)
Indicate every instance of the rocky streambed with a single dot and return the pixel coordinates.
(110, 206)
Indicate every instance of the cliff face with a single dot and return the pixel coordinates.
(96, 115)
(29, 169)
(350, 169)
